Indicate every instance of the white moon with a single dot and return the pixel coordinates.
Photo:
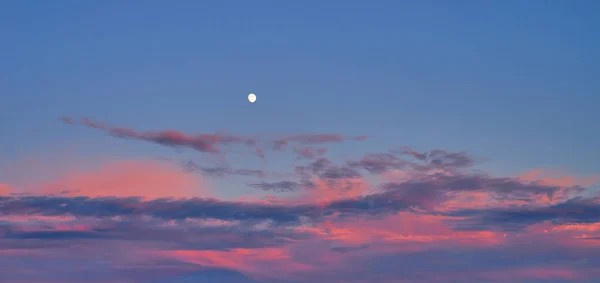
(252, 97)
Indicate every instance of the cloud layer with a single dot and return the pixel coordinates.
(395, 216)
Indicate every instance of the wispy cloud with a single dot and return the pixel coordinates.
(191, 166)
(310, 152)
(212, 143)
(308, 139)
(283, 186)
(200, 142)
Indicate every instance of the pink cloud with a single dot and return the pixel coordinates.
(258, 262)
(394, 232)
(5, 190)
(551, 177)
(146, 179)
(333, 222)
(325, 191)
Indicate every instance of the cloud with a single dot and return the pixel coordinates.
(443, 186)
(329, 190)
(128, 178)
(314, 139)
(183, 234)
(432, 161)
(345, 249)
(425, 194)
(379, 163)
(199, 142)
(212, 143)
(310, 152)
(325, 169)
(235, 259)
(5, 190)
(577, 210)
(397, 216)
(283, 186)
(190, 166)
(513, 262)
(169, 209)
(356, 249)
(440, 158)
(557, 178)
(208, 275)
(51, 235)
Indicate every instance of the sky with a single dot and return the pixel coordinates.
(392, 141)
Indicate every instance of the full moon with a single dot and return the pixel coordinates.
(252, 97)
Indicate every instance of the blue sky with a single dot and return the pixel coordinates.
(512, 81)
(515, 82)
